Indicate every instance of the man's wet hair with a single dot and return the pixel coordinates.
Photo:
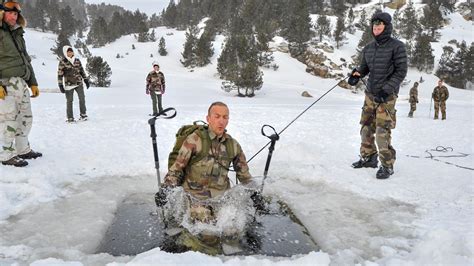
(216, 104)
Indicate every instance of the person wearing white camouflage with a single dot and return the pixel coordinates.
(16, 79)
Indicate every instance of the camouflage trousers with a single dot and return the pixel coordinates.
(156, 101)
(16, 119)
(437, 106)
(377, 121)
(70, 98)
(412, 109)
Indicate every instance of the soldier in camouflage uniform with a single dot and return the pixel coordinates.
(16, 75)
(155, 87)
(70, 77)
(413, 99)
(386, 61)
(440, 95)
(207, 178)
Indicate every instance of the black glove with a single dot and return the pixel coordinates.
(258, 201)
(61, 88)
(161, 197)
(353, 80)
(86, 81)
(381, 97)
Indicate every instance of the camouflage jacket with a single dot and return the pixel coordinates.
(209, 177)
(73, 74)
(440, 94)
(413, 94)
(155, 81)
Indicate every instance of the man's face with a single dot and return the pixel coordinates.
(70, 54)
(10, 17)
(156, 68)
(218, 118)
(377, 29)
(440, 83)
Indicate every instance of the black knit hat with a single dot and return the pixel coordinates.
(383, 16)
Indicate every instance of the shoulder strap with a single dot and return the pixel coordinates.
(205, 143)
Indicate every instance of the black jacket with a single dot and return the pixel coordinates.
(386, 60)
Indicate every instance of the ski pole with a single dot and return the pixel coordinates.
(273, 139)
(164, 115)
(431, 101)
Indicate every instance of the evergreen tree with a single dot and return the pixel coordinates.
(396, 23)
(152, 36)
(366, 38)
(204, 49)
(460, 67)
(443, 64)
(98, 35)
(99, 72)
(350, 21)
(53, 12)
(239, 61)
(338, 34)
(189, 53)
(170, 15)
(409, 22)
(162, 47)
(67, 22)
(323, 27)
(61, 41)
(297, 29)
(363, 20)
(432, 19)
(423, 58)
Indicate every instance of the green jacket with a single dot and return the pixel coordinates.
(14, 59)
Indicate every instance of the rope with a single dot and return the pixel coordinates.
(298, 116)
(444, 149)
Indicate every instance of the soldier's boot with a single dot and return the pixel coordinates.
(30, 155)
(384, 172)
(370, 161)
(410, 114)
(15, 161)
(443, 117)
(436, 117)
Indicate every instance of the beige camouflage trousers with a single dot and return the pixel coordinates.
(437, 106)
(15, 119)
(377, 121)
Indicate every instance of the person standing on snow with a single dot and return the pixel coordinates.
(71, 73)
(440, 95)
(16, 75)
(155, 87)
(413, 99)
(385, 61)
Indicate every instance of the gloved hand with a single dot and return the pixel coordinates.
(147, 91)
(381, 97)
(163, 89)
(3, 93)
(161, 197)
(61, 88)
(34, 91)
(353, 79)
(258, 201)
(86, 81)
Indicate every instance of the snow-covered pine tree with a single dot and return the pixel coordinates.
(338, 33)
(99, 71)
(162, 47)
(423, 58)
(322, 27)
(189, 52)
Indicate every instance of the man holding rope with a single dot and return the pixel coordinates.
(385, 61)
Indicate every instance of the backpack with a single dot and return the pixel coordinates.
(201, 129)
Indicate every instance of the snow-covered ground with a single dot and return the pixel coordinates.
(56, 210)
